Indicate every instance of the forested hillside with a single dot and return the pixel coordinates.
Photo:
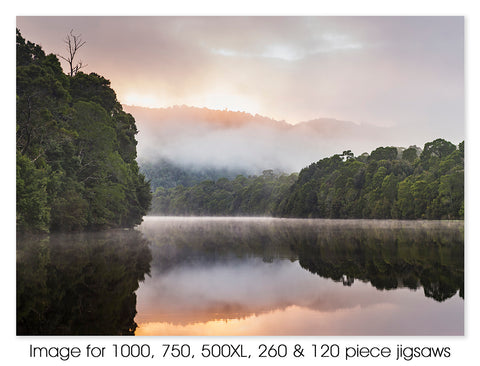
(76, 150)
(237, 141)
(382, 185)
(253, 195)
(165, 173)
(388, 183)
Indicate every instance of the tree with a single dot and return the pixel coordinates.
(439, 148)
(33, 213)
(410, 154)
(347, 155)
(382, 185)
(76, 148)
(74, 42)
(384, 153)
(28, 52)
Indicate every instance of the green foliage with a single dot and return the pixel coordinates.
(76, 150)
(383, 185)
(165, 173)
(27, 52)
(255, 195)
(95, 88)
(384, 153)
(410, 154)
(32, 210)
(439, 148)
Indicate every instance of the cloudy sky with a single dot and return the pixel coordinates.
(388, 71)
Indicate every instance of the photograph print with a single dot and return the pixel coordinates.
(240, 175)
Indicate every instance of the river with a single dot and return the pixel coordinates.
(245, 276)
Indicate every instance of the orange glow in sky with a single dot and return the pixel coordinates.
(385, 71)
(216, 100)
(139, 99)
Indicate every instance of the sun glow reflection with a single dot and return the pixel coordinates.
(292, 320)
(261, 324)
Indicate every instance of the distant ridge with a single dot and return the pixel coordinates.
(232, 119)
(207, 138)
(223, 118)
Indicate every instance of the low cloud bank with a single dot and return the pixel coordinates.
(202, 138)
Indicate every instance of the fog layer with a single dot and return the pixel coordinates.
(203, 138)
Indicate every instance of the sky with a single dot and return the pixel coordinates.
(405, 72)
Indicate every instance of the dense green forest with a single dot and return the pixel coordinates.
(165, 173)
(253, 195)
(75, 149)
(388, 183)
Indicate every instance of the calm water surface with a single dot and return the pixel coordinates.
(246, 276)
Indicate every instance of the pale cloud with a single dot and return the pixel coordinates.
(402, 71)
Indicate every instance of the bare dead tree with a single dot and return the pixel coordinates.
(74, 42)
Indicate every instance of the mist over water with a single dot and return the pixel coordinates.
(266, 276)
(245, 276)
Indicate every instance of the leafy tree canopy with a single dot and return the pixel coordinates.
(76, 150)
(384, 184)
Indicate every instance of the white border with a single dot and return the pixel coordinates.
(15, 349)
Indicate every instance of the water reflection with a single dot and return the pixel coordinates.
(255, 276)
(245, 276)
(80, 283)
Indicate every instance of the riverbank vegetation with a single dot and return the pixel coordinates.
(388, 183)
(75, 150)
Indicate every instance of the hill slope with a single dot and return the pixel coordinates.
(204, 138)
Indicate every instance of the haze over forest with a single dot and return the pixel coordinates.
(204, 138)
(404, 75)
(208, 98)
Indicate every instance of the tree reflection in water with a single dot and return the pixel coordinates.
(388, 254)
(86, 283)
(80, 284)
